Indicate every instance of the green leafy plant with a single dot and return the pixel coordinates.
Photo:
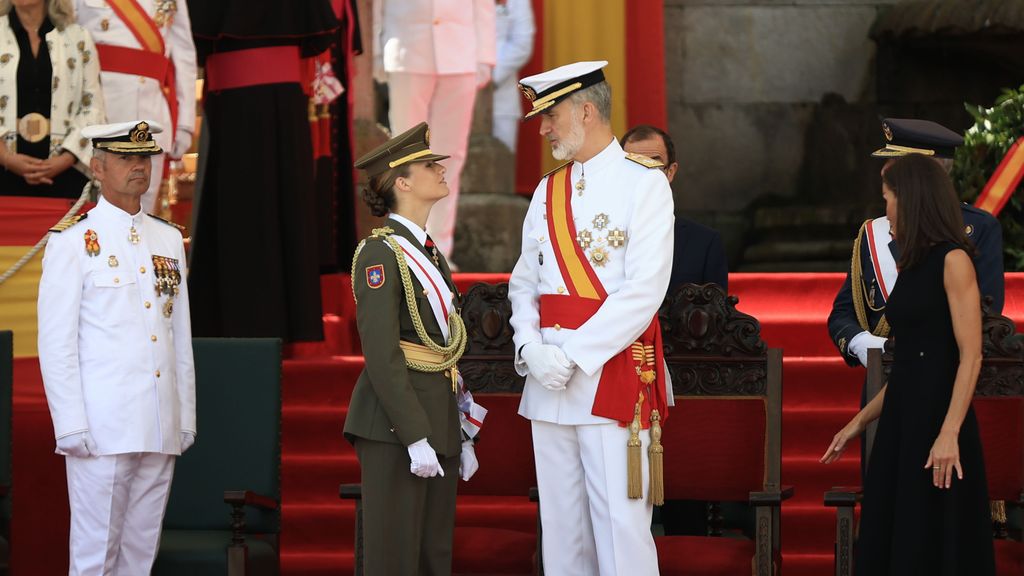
(985, 146)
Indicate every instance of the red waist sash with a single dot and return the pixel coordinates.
(253, 67)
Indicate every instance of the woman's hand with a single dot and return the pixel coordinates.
(943, 457)
(852, 430)
(21, 164)
(48, 169)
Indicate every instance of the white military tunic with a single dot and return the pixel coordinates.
(625, 214)
(116, 356)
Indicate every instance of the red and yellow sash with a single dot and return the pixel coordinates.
(621, 382)
(1004, 180)
(150, 61)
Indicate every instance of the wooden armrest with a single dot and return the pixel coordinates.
(771, 496)
(249, 498)
(840, 496)
(534, 494)
(350, 491)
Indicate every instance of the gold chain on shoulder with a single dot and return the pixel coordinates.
(857, 290)
(457, 346)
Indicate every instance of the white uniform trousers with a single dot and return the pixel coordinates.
(117, 510)
(590, 526)
(507, 113)
(445, 102)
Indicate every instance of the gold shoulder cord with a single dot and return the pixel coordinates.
(453, 352)
(857, 289)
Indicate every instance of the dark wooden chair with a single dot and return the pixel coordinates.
(999, 407)
(723, 438)
(223, 516)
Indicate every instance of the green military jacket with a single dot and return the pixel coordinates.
(390, 402)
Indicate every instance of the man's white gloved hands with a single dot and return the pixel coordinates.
(182, 142)
(548, 364)
(423, 460)
(187, 440)
(483, 75)
(79, 445)
(468, 464)
(861, 343)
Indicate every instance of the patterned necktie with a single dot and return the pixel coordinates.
(432, 249)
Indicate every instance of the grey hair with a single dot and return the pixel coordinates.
(600, 95)
(60, 12)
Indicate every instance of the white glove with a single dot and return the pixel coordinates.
(483, 75)
(78, 445)
(187, 440)
(468, 464)
(548, 364)
(182, 142)
(423, 460)
(860, 344)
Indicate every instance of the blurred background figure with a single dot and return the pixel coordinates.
(148, 61)
(434, 56)
(515, 31)
(49, 91)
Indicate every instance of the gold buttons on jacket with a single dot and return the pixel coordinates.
(117, 280)
(104, 24)
(142, 79)
(146, 304)
(558, 326)
(142, 269)
(157, 373)
(153, 337)
(561, 289)
(447, 373)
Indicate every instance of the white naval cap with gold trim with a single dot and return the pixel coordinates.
(133, 138)
(546, 89)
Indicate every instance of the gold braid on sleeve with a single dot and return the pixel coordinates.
(857, 289)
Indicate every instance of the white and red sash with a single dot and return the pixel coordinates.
(438, 294)
(882, 261)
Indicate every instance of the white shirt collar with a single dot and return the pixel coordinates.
(419, 233)
(611, 153)
(105, 208)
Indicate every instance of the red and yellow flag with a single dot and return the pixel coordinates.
(1004, 180)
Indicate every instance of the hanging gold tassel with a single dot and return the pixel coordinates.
(998, 508)
(634, 470)
(656, 457)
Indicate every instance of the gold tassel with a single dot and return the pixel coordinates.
(998, 508)
(634, 471)
(656, 456)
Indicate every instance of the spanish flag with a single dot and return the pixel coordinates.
(629, 34)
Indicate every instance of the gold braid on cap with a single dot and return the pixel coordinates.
(857, 290)
(453, 351)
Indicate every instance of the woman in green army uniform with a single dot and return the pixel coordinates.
(403, 418)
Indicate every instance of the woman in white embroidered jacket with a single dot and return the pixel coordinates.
(49, 91)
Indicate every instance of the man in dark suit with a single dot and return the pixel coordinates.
(699, 254)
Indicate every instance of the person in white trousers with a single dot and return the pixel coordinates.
(148, 63)
(594, 268)
(434, 56)
(515, 31)
(115, 349)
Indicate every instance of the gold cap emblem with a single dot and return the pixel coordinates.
(140, 133)
(887, 131)
(530, 93)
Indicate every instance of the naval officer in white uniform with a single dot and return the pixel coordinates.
(115, 348)
(622, 222)
(141, 83)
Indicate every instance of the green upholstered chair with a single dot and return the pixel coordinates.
(223, 515)
(6, 395)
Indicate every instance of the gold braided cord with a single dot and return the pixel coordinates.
(457, 328)
(857, 290)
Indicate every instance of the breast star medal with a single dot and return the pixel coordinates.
(599, 256)
(92, 243)
(168, 308)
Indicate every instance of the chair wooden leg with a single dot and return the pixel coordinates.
(238, 556)
(844, 541)
(359, 538)
(765, 536)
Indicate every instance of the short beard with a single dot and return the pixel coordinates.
(568, 147)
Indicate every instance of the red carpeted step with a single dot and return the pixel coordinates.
(811, 478)
(328, 525)
(318, 563)
(320, 381)
(823, 381)
(314, 478)
(809, 431)
(316, 430)
(808, 528)
(818, 564)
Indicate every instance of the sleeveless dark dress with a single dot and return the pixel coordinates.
(909, 527)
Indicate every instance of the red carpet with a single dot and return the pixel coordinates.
(820, 394)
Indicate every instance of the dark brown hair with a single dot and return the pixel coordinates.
(379, 193)
(928, 210)
(646, 132)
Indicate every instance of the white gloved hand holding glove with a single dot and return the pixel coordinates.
(423, 460)
(182, 142)
(483, 75)
(78, 445)
(548, 364)
(468, 464)
(187, 440)
(861, 343)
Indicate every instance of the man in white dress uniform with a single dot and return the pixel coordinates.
(594, 268)
(115, 348)
(434, 56)
(148, 63)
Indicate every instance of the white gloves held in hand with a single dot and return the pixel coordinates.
(77, 445)
(182, 143)
(423, 460)
(468, 464)
(861, 343)
(548, 364)
(187, 440)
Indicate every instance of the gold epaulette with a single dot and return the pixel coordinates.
(68, 223)
(168, 222)
(556, 170)
(645, 161)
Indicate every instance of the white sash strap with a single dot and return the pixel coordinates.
(881, 257)
(438, 294)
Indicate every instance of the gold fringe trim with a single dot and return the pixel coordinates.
(634, 471)
(998, 508)
(656, 457)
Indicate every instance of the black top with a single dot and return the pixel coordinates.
(34, 78)
(227, 25)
